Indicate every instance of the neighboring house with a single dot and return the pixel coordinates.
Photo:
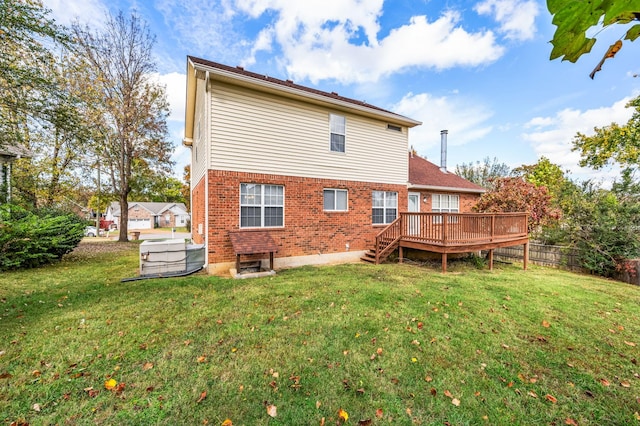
(434, 189)
(8, 154)
(311, 173)
(150, 215)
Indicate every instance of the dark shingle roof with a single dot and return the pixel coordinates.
(289, 83)
(423, 173)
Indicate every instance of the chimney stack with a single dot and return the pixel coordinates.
(443, 150)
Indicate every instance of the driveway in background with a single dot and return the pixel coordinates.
(154, 234)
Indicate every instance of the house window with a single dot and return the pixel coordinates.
(338, 132)
(261, 205)
(445, 203)
(385, 207)
(335, 200)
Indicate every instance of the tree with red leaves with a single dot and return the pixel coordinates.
(514, 194)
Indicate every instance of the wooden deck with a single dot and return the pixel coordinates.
(452, 233)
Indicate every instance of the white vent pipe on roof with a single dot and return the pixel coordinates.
(443, 150)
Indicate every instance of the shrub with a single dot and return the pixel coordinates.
(30, 239)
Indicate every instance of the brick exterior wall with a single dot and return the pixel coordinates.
(197, 212)
(140, 213)
(467, 201)
(308, 229)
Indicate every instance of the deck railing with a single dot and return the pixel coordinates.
(451, 229)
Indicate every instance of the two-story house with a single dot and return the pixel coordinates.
(319, 174)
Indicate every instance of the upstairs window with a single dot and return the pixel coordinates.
(385, 207)
(338, 126)
(335, 200)
(261, 206)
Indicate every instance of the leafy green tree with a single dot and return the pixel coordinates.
(574, 18)
(484, 173)
(612, 144)
(135, 109)
(148, 184)
(603, 226)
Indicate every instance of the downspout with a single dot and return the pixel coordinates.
(207, 135)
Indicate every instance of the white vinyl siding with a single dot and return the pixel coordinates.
(200, 137)
(384, 207)
(255, 132)
(261, 206)
(335, 200)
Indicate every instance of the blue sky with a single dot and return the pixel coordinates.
(479, 69)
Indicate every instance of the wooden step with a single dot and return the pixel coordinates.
(369, 256)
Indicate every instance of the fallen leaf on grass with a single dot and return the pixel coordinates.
(448, 394)
(202, 359)
(532, 394)
(110, 384)
(570, 421)
(227, 422)
(272, 410)
(36, 407)
(5, 375)
(343, 415)
(604, 382)
(629, 343)
(550, 398)
(147, 366)
(456, 402)
(379, 413)
(625, 384)
(366, 422)
(546, 324)
(203, 395)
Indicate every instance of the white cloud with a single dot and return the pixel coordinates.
(516, 17)
(552, 137)
(349, 49)
(175, 84)
(465, 121)
(85, 11)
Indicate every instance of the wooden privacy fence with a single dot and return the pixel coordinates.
(561, 257)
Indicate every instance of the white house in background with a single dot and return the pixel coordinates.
(9, 154)
(150, 215)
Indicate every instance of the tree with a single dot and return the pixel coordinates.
(513, 194)
(135, 108)
(28, 87)
(148, 184)
(544, 173)
(574, 18)
(612, 144)
(484, 173)
(186, 186)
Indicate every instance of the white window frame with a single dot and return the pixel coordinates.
(387, 201)
(264, 202)
(335, 207)
(446, 203)
(338, 127)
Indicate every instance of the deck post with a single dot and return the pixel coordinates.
(525, 257)
(271, 261)
(400, 254)
(444, 263)
(237, 263)
(491, 259)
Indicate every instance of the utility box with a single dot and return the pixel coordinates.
(195, 256)
(162, 257)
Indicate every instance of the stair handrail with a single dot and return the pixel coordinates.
(394, 228)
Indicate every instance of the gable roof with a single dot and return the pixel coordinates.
(14, 151)
(287, 88)
(152, 207)
(423, 174)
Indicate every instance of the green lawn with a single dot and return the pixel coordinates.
(393, 344)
